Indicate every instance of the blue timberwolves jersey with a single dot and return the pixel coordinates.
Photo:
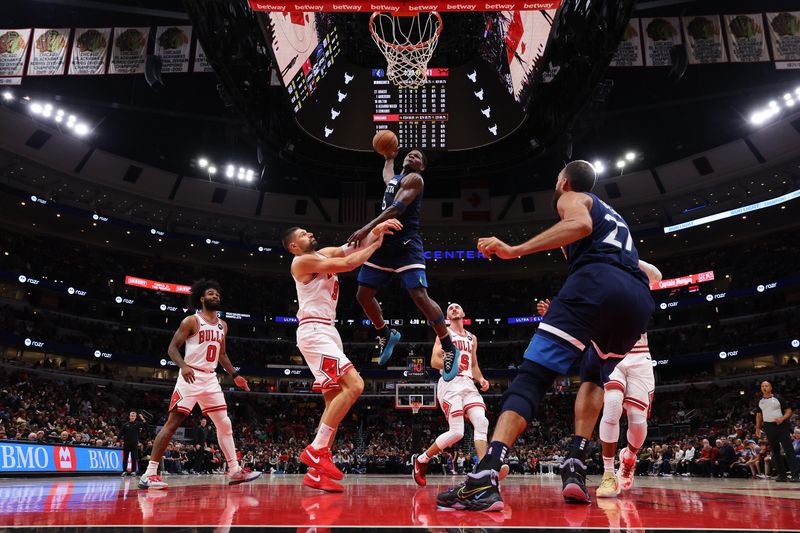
(610, 242)
(408, 218)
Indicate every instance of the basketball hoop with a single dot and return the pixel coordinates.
(407, 47)
(415, 407)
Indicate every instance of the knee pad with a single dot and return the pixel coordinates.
(637, 426)
(528, 388)
(480, 424)
(453, 435)
(222, 422)
(612, 411)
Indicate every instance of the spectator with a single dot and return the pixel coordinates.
(725, 459)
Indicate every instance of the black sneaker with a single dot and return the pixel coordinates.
(573, 479)
(478, 493)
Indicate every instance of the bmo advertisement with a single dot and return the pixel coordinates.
(24, 458)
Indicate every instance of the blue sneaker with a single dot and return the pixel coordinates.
(450, 360)
(387, 345)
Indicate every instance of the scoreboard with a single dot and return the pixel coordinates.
(457, 108)
(418, 116)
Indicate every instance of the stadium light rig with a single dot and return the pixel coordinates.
(620, 163)
(62, 118)
(232, 172)
(774, 108)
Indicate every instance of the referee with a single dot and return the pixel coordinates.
(773, 413)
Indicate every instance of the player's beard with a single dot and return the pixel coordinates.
(210, 305)
(312, 245)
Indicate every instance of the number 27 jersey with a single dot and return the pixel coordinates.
(610, 243)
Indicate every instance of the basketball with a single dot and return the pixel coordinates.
(385, 142)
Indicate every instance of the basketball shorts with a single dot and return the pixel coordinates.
(403, 256)
(599, 303)
(634, 377)
(322, 350)
(205, 391)
(457, 397)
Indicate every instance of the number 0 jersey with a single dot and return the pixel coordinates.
(317, 298)
(610, 242)
(203, 348)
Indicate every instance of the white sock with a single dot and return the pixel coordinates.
(152, 468)
(323, 437)
(608, 464)
(423, 458)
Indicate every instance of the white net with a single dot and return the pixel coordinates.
(408, 44)
(415, 407)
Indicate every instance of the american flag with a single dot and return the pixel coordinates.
(353, 202)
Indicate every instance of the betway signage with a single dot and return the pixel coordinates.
(23, 458)
(401, 6)
(157, 285)
(691, 279)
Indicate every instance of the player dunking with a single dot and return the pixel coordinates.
(314, 273)
(459, 398)
(628, 384)
(204, 336)
(404, 255)
(604, 301)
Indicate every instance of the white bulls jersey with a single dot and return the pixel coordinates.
(466, 347)
(317, 298)
(203, 348)
(640, 347)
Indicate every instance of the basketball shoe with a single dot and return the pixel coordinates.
(386, 345)
(573, 480)
(321, 460)
(316, 479)
(420, 469)
(449, 364)
(627, 465)
(153, 481)
(243, 475)
(478, 493)
(609, 486)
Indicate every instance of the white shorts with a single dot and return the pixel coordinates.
(634, 377)
(457, 397)
(205, 390)
(321, 347)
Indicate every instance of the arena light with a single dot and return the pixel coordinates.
(36, 109)
(202, 162)
(212, 170)
(8, 96)
(599, 167)
(620, 164)
(230, 171)
(81, 129)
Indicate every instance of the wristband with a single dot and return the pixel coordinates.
(235, 375)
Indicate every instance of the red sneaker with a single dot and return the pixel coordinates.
(321, 460)
(318, 480)
(420, 469)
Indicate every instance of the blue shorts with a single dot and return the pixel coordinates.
(599, 303)
(378, 279)
(594, 369)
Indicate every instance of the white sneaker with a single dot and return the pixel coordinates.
(609, 486)
(243, 475)
(627, 466)
(153, 481)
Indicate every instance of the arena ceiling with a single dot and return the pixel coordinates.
(643, 109)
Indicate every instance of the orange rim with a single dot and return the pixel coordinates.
(404, 47)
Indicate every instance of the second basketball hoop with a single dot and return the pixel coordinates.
(408, 43)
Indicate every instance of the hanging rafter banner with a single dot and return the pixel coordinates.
(401, 6)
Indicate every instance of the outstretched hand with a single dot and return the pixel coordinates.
(241, 382)
(358, 236)
(542, 306)
(489, 246)
(387, 228)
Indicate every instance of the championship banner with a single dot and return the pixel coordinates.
(13, 46)
(704, 39)
(157, 285)
(746, 40)
(89, 51)
(172, 46)
(401, 6)
(784, 31)
(48, 52)
(629, 51)
(201, 60)
(129, 50)
(660, 34)
(691, 279)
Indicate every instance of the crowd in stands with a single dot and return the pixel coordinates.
(710, 430)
